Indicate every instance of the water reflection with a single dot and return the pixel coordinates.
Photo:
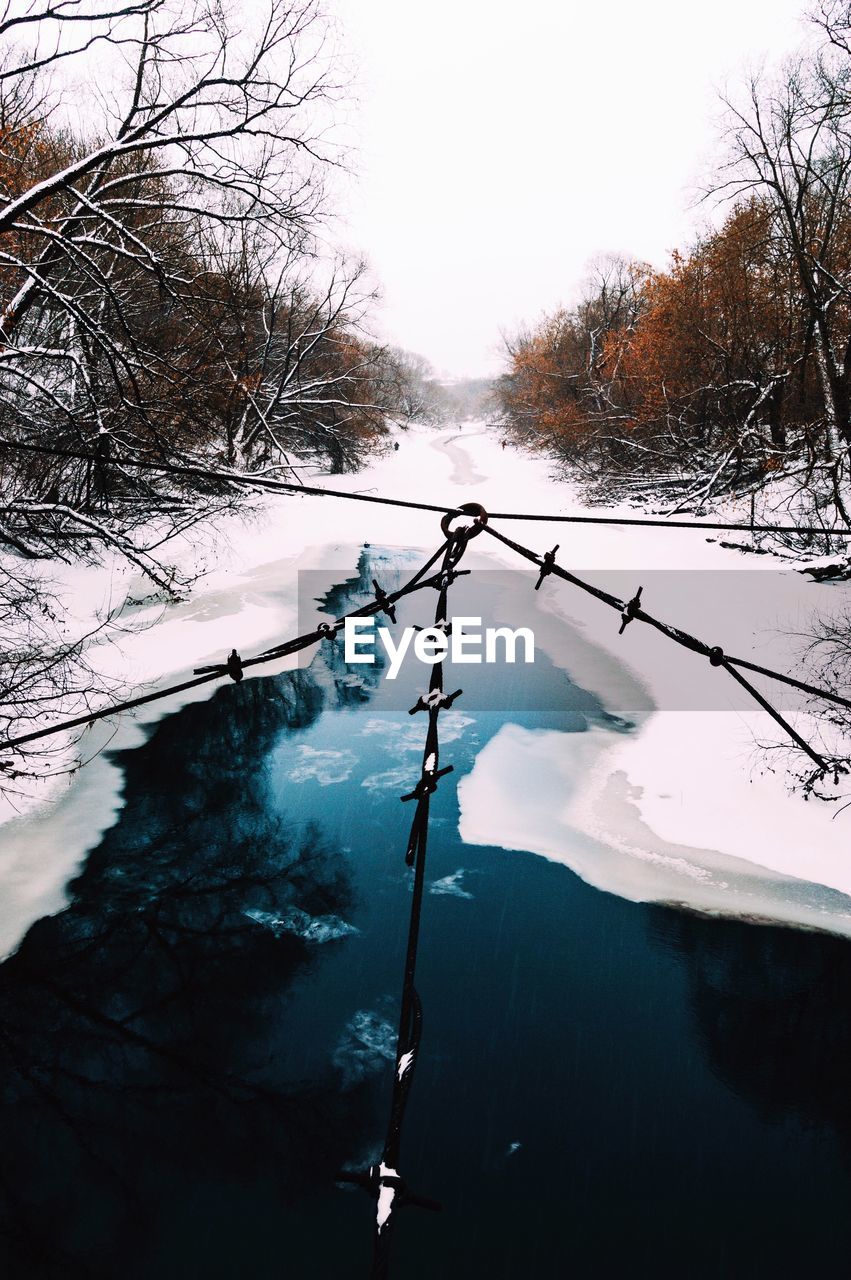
(138, 1047)
(771, 1007)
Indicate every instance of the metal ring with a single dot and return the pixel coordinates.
(468, 509)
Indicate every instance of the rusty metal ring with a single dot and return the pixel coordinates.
(468, 509)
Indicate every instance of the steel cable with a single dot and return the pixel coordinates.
(224, 476)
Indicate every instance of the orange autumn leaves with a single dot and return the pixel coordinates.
(717, 345)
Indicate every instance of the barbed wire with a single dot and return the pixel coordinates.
(631, 610)
(383, 1181)
(234, 665)
(546, 565)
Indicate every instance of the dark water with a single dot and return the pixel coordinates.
(193, 1049)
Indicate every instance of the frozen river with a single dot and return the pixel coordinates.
(196, 1045)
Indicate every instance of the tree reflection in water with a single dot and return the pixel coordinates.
(771, 1006)
(139, 1081)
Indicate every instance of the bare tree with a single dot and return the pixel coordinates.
(104, 240)
(299, 375)
(788, 143)
(157, 296)
(162, 298)
(833, 17)
(60, 29)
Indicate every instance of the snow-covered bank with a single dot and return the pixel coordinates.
(563, 797)
(675, 810)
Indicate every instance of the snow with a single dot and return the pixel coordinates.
(368, 1042)
(386, 1196)
(314, 929)
(562, 796)
(388, 779)
(677, 810)
(405, 1063)
(451, 885)
(325, 767)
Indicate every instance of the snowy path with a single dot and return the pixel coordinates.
(678, 810)
(464, 471)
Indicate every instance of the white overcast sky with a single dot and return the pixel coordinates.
(502, 144)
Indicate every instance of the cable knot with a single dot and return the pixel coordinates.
(384, 601)
(445, 579)
(381, 1175)
(232, 666)
(547, 566)
(460, 537)
(436, 700)
(427, 784)
(717, 656)
(630, 610)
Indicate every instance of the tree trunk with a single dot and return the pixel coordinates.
(833, 393)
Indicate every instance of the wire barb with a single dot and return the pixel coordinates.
(384, 601)
(435, 700)
(444, 627)
(232, 666)
(374, 1179)
(427, 784)
(444, 580)
(630, 610)
(549, 559)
